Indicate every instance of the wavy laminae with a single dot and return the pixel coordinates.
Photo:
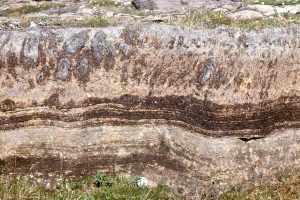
(204, 117)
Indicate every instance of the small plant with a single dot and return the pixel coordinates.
(101, 179)
(98, 179)
(109, 181)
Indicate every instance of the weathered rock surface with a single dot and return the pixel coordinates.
(194, 109)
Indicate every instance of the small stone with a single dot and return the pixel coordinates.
(142, 182)
(266, 10)
(32, 24)
(245, 14)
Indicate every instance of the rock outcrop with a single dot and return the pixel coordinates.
(196, 110)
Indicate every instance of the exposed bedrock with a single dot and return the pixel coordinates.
(193, 109)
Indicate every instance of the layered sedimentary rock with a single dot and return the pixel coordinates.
(196, 110)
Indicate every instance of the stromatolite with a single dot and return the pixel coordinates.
(194, 109)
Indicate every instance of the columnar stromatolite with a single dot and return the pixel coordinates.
(194, 109)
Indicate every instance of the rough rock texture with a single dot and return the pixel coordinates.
(193, 109)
